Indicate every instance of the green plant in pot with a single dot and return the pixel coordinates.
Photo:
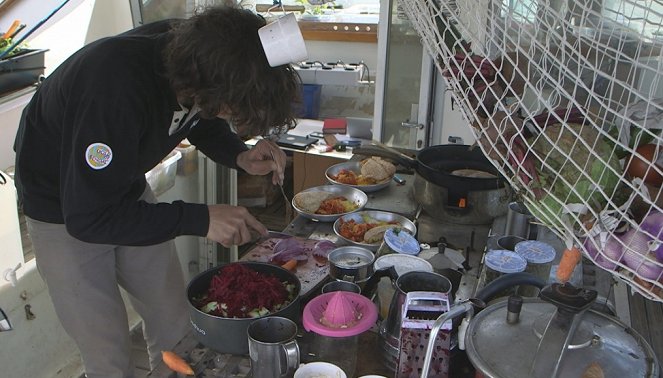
(315, 7)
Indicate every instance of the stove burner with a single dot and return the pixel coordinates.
(457, 236)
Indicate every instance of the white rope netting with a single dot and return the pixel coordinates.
(566, 100)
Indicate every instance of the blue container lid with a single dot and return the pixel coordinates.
(535, 252)
(401, 241)
(504, 261)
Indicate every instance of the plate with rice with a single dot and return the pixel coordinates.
(326, 203)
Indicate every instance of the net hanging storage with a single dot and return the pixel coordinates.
(566, 100)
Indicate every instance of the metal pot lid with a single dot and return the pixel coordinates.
(500, 349)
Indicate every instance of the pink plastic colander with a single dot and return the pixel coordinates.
(339, 314)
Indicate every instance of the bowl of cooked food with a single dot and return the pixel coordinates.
(368, 175)
(224, 300)
(326, 203)
(366, 228)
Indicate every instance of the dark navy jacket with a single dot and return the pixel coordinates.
(93, 129)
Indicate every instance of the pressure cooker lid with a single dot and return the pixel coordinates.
(500, 349)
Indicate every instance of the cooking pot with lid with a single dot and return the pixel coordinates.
(557, 335)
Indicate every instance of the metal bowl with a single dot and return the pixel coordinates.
(354, 166)
(355, 195)
(384, 216)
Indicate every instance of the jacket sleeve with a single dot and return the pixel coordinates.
(101, 181)
(214, 138)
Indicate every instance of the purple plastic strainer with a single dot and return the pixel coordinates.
(339, 314)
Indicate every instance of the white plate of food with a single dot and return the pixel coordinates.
(368, 175)
(366, 228)
(326, 203)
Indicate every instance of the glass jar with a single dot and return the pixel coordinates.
(539, 257)
(500, 262)
(397, 240)
(340, 351)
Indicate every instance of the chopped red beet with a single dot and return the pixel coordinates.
(243, 289)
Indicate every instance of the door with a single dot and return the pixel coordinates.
(404, 83)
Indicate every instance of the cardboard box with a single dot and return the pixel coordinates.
(256, 191)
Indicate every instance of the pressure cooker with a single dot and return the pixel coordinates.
(555, 335)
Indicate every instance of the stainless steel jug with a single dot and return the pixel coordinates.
(390, 328)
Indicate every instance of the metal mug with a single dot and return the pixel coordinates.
(509, 242)
(273, 349)
(518, 221)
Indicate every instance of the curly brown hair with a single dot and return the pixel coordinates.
(216, 60)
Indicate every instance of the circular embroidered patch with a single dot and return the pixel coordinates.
(98, 155)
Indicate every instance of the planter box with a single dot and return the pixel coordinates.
(21, 70)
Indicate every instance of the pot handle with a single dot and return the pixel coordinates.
(372, 283)
(507, 281)
(394, 156)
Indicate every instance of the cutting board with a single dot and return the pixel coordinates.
(311, 273)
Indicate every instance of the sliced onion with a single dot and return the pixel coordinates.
(607, 256)
(288, 249)
(637, 255)
(653, 225)
(321, 250)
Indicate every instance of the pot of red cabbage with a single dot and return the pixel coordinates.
(224, 300)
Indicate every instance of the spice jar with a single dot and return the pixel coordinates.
(500, 262)
(539, 257)
(397, 240)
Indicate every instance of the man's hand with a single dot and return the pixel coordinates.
(232, 225)
(258, 160)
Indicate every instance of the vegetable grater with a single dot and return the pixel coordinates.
(420, 310)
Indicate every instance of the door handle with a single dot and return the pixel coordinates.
(411, 125)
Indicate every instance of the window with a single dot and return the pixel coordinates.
(642, 16)
(346, 11)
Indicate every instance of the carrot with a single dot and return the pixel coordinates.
(290, 265)
(176, 363)
(567, 264)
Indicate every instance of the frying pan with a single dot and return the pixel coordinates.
(445, 194)
(436, 163)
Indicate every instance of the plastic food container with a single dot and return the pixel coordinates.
(162, 177)
(188, 164)
(500, 262)
(539, 256)
(397, 240)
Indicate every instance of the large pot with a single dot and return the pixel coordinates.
(558, 335)
(453, 183)
(229, 335)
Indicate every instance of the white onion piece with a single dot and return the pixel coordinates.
(637, 255)
(653, 225)
(605, 256)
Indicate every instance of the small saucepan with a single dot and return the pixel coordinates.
(351, 263)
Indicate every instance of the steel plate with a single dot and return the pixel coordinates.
(354, 166)
(354, 195)
(383, 216)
